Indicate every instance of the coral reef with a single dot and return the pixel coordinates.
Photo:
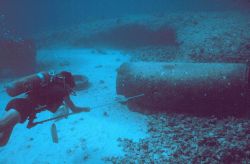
(181, 138)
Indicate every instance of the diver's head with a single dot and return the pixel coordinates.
(67, 79)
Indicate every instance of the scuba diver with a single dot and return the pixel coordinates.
(43, 91)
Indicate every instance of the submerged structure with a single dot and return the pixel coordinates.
(197, 88)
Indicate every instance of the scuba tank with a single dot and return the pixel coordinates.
(28, 83)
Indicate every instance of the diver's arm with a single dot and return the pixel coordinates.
(73, 107)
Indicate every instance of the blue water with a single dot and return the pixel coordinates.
(28, 16)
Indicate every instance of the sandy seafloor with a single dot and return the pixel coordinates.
(86, 137)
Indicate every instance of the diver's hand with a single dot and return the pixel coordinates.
(31, 125)
(81, 109)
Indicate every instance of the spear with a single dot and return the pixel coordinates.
(124, 99)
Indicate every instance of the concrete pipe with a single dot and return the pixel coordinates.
(197, 88)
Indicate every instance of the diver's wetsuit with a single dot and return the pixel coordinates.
(51, 96)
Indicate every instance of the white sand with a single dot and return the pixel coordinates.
(86, 135)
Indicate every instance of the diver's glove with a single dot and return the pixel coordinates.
(32, 117)
(31, 124)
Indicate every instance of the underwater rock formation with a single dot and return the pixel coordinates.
(178, 138)
(130, 36)
(198, 88)
(17, 57)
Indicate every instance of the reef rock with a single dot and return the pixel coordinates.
(18, 58)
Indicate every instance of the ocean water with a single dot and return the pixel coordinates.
(165, 81)
(29, 16)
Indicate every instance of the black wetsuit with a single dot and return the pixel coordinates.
(51, 96)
